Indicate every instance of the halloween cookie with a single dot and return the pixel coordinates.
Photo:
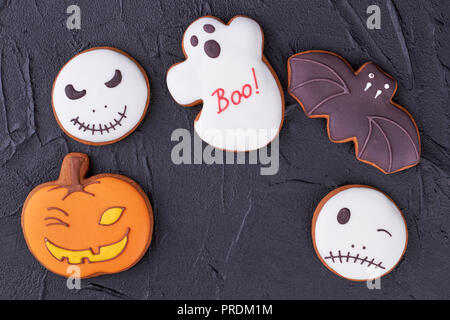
(358, 107)
(225, 69)
(100, 96)
(103, 224)
(359, 233)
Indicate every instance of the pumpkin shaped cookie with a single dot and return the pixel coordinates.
(103, 224)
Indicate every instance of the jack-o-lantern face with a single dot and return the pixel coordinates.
(102, 224)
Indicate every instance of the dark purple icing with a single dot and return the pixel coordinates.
(384, 230)
(116, 79)
(194, 41)
(209, 28)
(73, 94)
(212, 48)
(351, 258)
(326, 86)
(343, 216)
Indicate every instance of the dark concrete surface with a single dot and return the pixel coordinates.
(225, 231)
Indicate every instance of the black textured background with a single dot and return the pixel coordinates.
(224, 231)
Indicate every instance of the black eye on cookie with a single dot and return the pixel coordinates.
(116, 79)
(74, 94)
(343, 215)
(194, 41)
(211, 47)
(209, 28)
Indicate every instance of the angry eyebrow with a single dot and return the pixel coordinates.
(384, 230)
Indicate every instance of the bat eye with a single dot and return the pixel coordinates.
(73, 94)
(386, 86)
(115, 81)
(343, 215)
(371, 75)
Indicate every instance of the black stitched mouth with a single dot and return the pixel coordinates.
(101, 128)
(356, 258)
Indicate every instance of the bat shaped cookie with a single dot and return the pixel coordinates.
(358, 106)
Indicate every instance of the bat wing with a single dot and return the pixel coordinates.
(317, 77)
(390, 145)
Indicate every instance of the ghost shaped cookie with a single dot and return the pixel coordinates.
(359, 233)
(100, 96)
(358, 107)
(225, 69)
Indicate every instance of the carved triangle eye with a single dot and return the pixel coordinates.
(111, 215)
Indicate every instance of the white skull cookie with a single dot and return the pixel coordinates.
(225, 69)
(100, 96)
(359, 233)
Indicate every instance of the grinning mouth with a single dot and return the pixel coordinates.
(101, 128)
(106, 252)
(354, 259)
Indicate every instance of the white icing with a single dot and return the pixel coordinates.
(90, 71)
(378, 93)
(370, 210)
(368, 85)
(199, 76)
